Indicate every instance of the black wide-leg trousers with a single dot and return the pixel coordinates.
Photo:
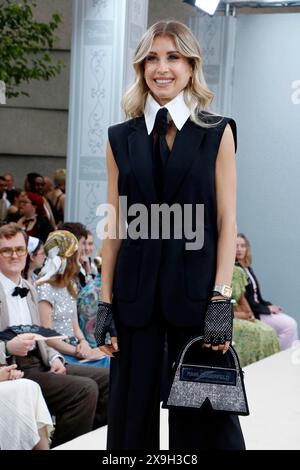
(135, 392)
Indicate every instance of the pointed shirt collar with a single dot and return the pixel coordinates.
(177, 108)
(7, 284)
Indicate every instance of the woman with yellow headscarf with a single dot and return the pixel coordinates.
(57, 295)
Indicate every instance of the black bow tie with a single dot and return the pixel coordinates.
(21, 291)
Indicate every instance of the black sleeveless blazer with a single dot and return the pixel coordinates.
(184, 278)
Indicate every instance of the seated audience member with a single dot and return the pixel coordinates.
(88, 284)
(48, 187)
(13, 213)
(57, 294)
(25, 421)
(89, 294)
(33, 219)
(81, 233)
(10, 181)
(284, 325)
(4, 203)
(56, 197)
(75, 395)
(252, 339)
(35, 259)
(36, 184)
(89, 251)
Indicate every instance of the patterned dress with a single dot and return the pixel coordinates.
(87, 305)
(64, 310)
(252, 340)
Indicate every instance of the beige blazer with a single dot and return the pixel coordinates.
(46, 352)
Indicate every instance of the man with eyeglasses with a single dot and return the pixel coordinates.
(76, 395)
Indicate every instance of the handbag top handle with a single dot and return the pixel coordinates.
(199, 338)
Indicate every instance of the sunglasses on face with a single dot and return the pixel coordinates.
(7, 252)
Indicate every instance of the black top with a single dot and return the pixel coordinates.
(258, 305)
(184, 278)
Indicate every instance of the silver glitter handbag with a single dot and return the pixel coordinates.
(195, 385)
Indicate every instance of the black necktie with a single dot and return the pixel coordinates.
(21, 291)
(161, 149)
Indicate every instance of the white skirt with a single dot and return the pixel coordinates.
(23, 411)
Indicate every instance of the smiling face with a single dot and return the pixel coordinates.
(166, 71)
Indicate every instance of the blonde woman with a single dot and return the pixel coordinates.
(170, 151)
(285, 326)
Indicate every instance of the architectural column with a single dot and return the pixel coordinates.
(216, 35)
(105, 34)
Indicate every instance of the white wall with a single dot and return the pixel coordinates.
(267, 62)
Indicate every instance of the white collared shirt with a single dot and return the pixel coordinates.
(18, 311)
(177, 108)
(4, 197)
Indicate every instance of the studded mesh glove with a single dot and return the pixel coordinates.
(104, 323)
(218, 322)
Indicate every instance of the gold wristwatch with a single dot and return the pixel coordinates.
(224, 290)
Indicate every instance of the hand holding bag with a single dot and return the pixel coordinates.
(197, 384)
(218, 324)
(104, 323)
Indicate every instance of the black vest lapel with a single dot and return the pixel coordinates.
(185, 149)
(140, 155)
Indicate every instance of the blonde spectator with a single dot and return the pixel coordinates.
(285, 325)
(252, 339)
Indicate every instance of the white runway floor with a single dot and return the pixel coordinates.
(273, 389)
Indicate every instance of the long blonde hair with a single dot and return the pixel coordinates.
(197, 95)
(248, 256)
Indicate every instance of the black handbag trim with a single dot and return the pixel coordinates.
(206, 374)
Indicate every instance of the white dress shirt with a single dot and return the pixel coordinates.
(18, 311)
(178, 111)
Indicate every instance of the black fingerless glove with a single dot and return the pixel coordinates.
(218, 322)
(104, 323)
